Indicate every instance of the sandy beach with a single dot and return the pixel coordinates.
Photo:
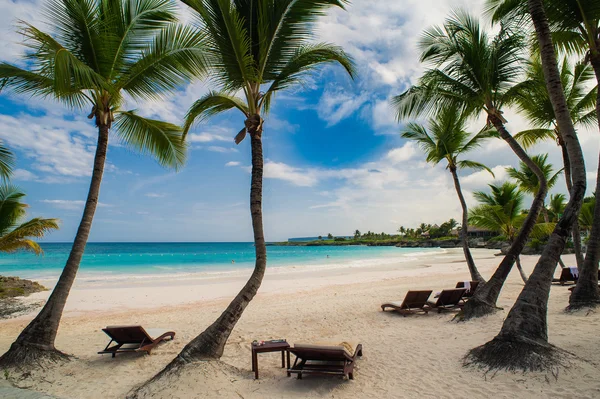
(416, 356)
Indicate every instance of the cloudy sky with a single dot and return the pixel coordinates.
(335, 161)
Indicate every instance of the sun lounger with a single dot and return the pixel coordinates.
(567, 275)
(134, 339)
(325, 359)
(413, 302)
(448, 299)
(470, 286)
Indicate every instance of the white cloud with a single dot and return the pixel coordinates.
(155, 195)
(232, 163)
(482, 178)
(336, 105)
(402, 154)
(25, 175)
(281, 171)
(206, 137)
(70, 204)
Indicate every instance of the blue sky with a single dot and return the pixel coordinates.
(335, 161)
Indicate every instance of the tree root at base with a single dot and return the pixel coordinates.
(516, 355)
(23, 357)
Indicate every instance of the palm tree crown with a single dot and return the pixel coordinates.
(258, 48)
(528, 181)
(100, 50)
(14, 234)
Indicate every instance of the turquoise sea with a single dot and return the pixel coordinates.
(117, 259)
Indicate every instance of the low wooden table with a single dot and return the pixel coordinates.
(269, 347)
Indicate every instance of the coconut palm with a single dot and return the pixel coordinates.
(16, 235)
(556, 206)
(534, 102)
(522, 343)
(479, 73)
(446, 139)
(528, 181)
(257, 49)
(97, 53)
(574, 26)
(500, 211)
(586, 216)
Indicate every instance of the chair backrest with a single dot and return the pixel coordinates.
(472, 287)
(127, 334)
(567, 275)
(318, 352)
(450, 296)
(416, 299)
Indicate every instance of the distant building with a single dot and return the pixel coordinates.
(480, 232)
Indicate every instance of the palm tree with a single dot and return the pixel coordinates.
(522, 343)
(574, 26)
(534, 102)
(256, 48)
(479, 74)
(16, 235)
(528, 181)
(556, 207)
(447, 140)
(501, 211)
(97, 52)
(586, 216)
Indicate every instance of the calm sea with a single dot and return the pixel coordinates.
(102, 259)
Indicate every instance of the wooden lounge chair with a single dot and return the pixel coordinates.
(134, 339)
(472, 286)
(413, 302)
(324, 359)
(448, 299)
(567, 275)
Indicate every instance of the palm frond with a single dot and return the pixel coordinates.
(18, 238)
(7, 161)
(211, 104)
(162, 140)
(529, 138)
(474, 165)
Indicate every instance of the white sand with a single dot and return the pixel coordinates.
(416, 356)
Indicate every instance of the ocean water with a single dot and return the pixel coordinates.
(103, 260)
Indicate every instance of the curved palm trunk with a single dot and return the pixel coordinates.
(464, 232)
(37, 339)
(576, 233)
(522, 343)
(586, 293)
(209, 345)
(520, 268)
(485, 298)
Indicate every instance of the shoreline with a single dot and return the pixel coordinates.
(333, 306)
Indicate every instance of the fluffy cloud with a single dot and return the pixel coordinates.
(232, 163)
(402, 154)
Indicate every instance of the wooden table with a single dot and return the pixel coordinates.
(269, 347)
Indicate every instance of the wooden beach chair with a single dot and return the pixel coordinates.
(414, 301)
(567, 275)
(448, 299)
(134, 339)
(471, 286)
(325, 359)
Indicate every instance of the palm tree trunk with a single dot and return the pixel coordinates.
(37, 339)
(520, 268)
(464, 231)
(485, 298)
(522, 343)
(586, 293)
(209, 345)
(576, 233)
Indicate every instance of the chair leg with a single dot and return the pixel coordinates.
(351, 376)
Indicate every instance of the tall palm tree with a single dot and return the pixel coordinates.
(15, 234)
(257, 48)
(534, 102)
(522, 343)
(97, 52)
(528, 181)
(479, 73)
(574, 26)
(447, 140)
